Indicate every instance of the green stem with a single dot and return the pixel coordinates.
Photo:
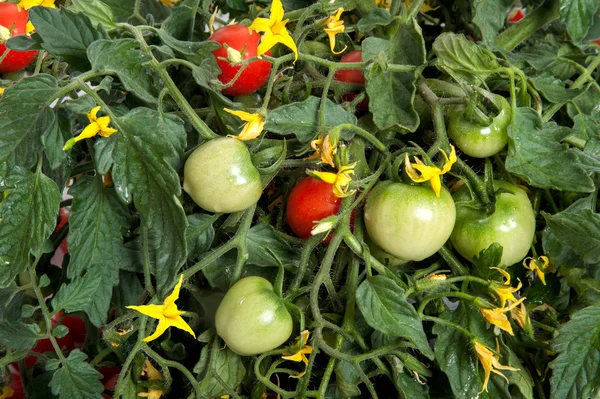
(453, 262)
(544, 14)
(448, 324)
(146, 258)
(176, 365)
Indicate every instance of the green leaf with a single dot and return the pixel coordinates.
(580, 231)
(406, 383)
(19, 336)
(187, 47)
(76, 295)
(123, 58)
(536, 155)
(456, 356)
(123, 9)
(302, 118)
(463, 59)
(180, 23)
(489, 257)
(575, 370)
(76, 379)
(146, 146)
(27, 218)
(65, 34)
(392, 94)
(382, 303)
(265, 246)
(554, 89)
(55, 137)
(375, 18)
(25, 118)
(97, 11)
(578, 16)
(489, 17)
(222, 363)
(199, 234)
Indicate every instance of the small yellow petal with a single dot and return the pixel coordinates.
(327, 177)
(154, 311)
(260, 25)
(276, 11)
(150, 372)
(92, 114)
(170, 300)
(179, 322)
(245, 116)
(2, 89)
(160, 329)
(7, 392)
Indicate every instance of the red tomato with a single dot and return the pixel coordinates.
(240, 38)
(515, 15)
(351, 75)
(310, 201)
(596, 42)
(110, 378)
(16, 386)
(12, 17)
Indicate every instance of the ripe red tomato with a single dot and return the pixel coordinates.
(12, 17)
(240, 38)
(352, 76)
(310, 201)
(110, 377)
(515, 15)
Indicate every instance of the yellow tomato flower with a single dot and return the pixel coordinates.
(441, 277)
(426, 7)
(419, 172)
(150, 372)
(490, 363)
(168, 3)
(254, 126)
(2, 90)
(167, 314)
(27, 4)
(151, 394)
(303, 350)
(96, 126)
(520, 316)
(274, 30)
(384, 3)
(324, 149)
(505, 291)
(497, 317)
(538, 266)
(340, 180)
(335, 27)
(7, 392)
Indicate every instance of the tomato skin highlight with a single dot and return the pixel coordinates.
(11, 16)
(255, 75)
(512, 225)
(409, 222)
(252, 319)
(477, 140)
(220, 177)
(310, 201)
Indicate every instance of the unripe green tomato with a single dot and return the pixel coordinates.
(386, 259)
(476, 140)
(512, 225)
(252, 319)
(407, 221)
(220, 177)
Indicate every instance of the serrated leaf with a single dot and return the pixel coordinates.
(463, 59)
(76, 379)
(180, 23)
(302, 118)
(375, 18)
(123, 58)
(55, 137)
(578, 16)
(27, 218)
(95, 241)
(199, 234)
(392, 94)
(554, 89)
(382, 303)
(97, 11)
(187, 47)
(76, 295)
(266, 247)
(456, 357)
(19, 336)
(24, 118)
(147, 145)
(576, 366)
(580, 231)
(489, 17)
(535, 154)
(122, 9)
(223, 363)
(65, 34)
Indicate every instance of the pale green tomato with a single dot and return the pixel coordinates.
(512, 225)
(386, 259)
(252, 319)
(220, 177)
(409, 222)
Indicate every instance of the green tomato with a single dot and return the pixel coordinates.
(220, 177)
(409, 222)
(512, 225)
(476, 140)
(386, 259)
(252, 319)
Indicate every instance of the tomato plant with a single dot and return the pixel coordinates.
(220, 176)
(310, 201)
(14, 19)
(512, 224)
(352, 76)
(409, 222)
(245, 41)
(252, 319)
